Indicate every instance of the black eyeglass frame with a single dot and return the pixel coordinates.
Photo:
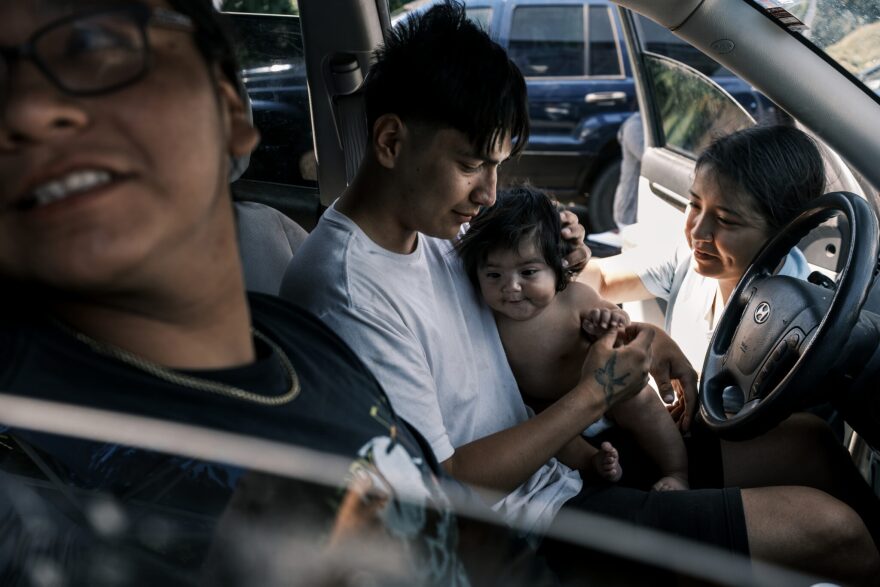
(142, 15)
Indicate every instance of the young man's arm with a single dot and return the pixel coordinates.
(506, 459)
(578, 453)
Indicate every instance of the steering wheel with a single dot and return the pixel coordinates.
(779, 335)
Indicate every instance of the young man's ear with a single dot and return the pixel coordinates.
(389, 134)
(242, 137)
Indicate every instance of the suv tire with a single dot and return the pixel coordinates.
(600, 202)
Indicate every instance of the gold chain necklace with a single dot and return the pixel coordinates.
(191, 382)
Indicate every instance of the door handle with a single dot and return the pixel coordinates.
(605, 97)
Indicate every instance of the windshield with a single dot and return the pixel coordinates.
(846, 30)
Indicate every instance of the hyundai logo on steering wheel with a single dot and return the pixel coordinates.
(762, 312)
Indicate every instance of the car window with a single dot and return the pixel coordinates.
(78, 510)
(481, 16)
(692, 110)
(274, 74)
(548, 41)
(604, 56)
(95, 513)
(659, 40)
(261, 6)
(848, 31)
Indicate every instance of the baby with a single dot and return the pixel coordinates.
(513, 254)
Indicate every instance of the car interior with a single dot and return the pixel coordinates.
(746, 40)
(303, 74)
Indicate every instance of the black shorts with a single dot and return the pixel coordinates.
(713, 516)
(710, 516)
(708, 513)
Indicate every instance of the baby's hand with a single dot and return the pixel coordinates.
(600, 320)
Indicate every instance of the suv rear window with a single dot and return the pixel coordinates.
(548, 41)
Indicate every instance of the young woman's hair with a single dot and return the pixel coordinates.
(779, 167)
(519, 215)
(440, 69)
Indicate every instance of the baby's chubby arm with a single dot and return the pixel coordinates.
(600, 319)
(597, 315)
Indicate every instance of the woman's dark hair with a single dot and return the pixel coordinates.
(519, 215)
(440, 69)
(213, 35)
(779, 167)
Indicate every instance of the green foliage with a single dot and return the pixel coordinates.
(261, 6)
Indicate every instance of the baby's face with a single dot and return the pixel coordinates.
(517, 284)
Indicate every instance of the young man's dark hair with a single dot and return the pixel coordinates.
(780, 167)
(427, 72)
(520, 214)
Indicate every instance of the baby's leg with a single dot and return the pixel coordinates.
(646, 418)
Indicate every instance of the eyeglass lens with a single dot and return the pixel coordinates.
(90, 54)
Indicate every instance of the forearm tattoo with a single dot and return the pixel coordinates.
(608, 379)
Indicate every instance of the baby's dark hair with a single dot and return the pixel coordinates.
(518, 216)
(779, 167)
(440, 69)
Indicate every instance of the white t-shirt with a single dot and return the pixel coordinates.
(421, 328)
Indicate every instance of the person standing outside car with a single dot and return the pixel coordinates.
(445, 106)
(631, 137)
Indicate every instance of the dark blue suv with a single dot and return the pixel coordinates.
(580, 91)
